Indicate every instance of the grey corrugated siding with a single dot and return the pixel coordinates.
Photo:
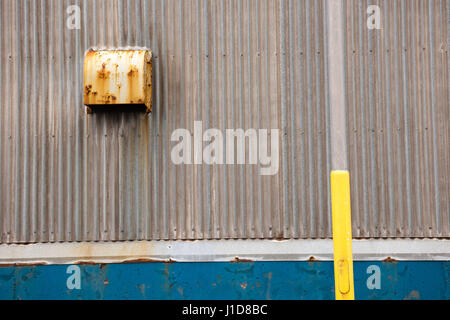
(399, 118)
(69, 176)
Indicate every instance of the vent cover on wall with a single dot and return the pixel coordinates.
(118, 80)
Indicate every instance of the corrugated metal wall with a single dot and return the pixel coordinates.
(69, 176)
(399, 118)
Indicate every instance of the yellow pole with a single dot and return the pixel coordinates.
(342, 235)
(340, 182)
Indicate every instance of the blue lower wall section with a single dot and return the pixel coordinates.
(224, 280)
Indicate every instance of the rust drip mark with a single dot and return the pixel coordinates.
(108, 97)
(103, 73)
(133, 84)
(237, 259)
(87, 89)
(133, 72)
(389, 259)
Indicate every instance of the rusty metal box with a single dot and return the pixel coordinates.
(118, 78)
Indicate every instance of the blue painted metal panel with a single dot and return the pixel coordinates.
(223, 280)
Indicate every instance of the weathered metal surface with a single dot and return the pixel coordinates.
(117, 77)
(224, 280)
(67, 176)
(220, 251)
(399, 118)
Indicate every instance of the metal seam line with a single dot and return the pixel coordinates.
(340, 181)
(220, 250)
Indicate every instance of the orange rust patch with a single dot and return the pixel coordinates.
(133, 71)
(87, 88)
(103, 73)
(106, 98)
(91, 53)
(237, 259)
(389, 259)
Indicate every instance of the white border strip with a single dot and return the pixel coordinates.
(219, 250)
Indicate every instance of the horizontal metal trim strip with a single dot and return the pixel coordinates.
(219, 250)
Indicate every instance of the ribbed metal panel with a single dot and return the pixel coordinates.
(69, 176)
(399, 118)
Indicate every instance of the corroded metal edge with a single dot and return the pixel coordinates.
(219, 250)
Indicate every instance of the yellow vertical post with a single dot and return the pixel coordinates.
(342, 235)
(340, 181)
